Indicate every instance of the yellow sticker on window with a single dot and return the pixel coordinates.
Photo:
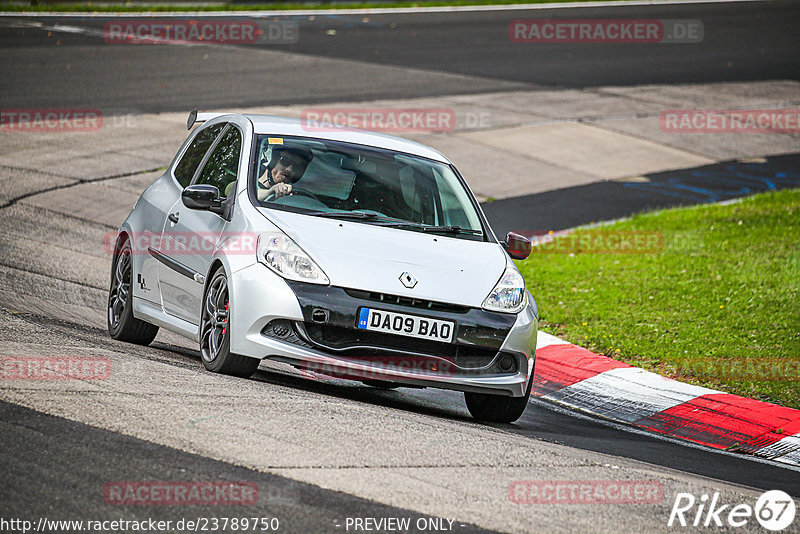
(275, 140)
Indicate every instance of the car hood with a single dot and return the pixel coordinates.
(373, 258)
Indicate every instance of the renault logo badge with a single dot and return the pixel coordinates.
(408, 280)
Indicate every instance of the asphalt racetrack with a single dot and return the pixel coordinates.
(387, 56)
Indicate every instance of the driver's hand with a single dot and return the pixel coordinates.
(280, 190)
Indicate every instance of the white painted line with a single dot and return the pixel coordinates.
(786, 450)
(94, 32)
(381, 10)
(627, 394)
(543, 339)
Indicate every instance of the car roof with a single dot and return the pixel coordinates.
(290, 126)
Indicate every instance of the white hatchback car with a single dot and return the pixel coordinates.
(343, 253)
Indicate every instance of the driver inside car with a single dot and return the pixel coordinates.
(286, 166)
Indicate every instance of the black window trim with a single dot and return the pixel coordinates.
(228, 202)
(198, 171)
(213, 147)
(186, 147)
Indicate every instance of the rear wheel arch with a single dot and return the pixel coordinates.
(122, 237)
(122, 325)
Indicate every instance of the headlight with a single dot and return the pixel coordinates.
(283, 256)
(508, 295)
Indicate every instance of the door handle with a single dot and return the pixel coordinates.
(174, 217)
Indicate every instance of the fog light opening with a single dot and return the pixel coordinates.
(506, 363)
(281, 328)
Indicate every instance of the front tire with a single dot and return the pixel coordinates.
(497, 408)
(215, 336)
(380, 384)
(122, 325)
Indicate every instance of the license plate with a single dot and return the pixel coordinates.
(406, 325)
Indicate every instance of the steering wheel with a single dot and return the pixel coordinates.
(304, 193)
(299, 191)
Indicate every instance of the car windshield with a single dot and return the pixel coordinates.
(358, 183)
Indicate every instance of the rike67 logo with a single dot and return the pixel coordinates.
(774, 510)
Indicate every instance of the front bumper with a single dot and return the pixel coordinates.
(314, 328)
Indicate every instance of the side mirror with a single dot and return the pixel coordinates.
(201, 197)
(517, 246)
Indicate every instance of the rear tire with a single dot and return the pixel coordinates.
(215, 337)
(122, 325)
(497, 408)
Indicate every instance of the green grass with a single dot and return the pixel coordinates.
(126, 7)
(718, 306)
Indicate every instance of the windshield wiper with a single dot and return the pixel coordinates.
(345, 214)
(367, 216)
(451, 230)
(391, 222)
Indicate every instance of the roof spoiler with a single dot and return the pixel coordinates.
(194, 117)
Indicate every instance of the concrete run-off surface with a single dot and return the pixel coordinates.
(506, 144)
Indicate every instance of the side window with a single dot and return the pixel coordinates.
(186, 167)
(221, 168)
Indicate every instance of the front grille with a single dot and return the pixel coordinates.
(374, 344)
(388, 351)
(407, 301)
